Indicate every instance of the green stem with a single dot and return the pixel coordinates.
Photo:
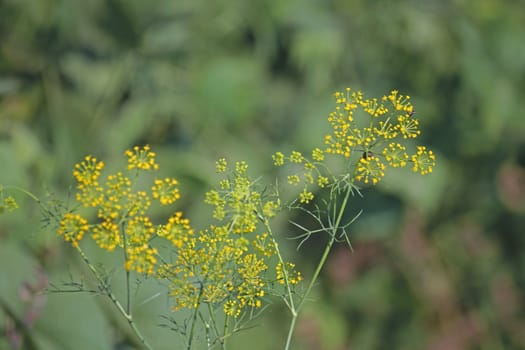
(27, 193)
(128, 290)
(221, 338)
(291, 303)
(194, 318)
(33, 197)
(225, 330)
(126, 314)
(322, 261)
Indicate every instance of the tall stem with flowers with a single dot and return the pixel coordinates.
(224, 274)
(367, 135)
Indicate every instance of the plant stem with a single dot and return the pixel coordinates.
(125, 250)
(322, 261)
(221, 338)
(126, 314)
(36, 199)
(194, 318)
(225, 331)
(291, 304)
(27, 193)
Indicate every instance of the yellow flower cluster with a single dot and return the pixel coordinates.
(228, 265)
(87, 173)
(6, 202)
(310, 171)
(121, 209)
(73, 227)
(177, 230)
(288, 273)
(236, 200)
(364, 131)
(423, 160)
(141, 158)
(370, 169)
(217, 267)
(368, 127)
(166, 191)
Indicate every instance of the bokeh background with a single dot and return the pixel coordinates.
(438, 261)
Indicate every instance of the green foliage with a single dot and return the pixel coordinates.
(199, 80)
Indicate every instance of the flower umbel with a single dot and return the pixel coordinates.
(369, 134)
(424, 161)
(72, 228)
(121, 208)
(166, 191)
(107, 235)
(370, 170)
(229, 262)
(87, 172)
(141, 158)
(395, 154)
(8, 203)
(288, 274)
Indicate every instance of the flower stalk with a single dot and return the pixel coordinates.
(223, 273)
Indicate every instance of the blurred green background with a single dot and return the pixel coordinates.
(438, 260)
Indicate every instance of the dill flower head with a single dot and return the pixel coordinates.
(142, 259)
(309, 171)
(237, 200)
(424, 160)
(87, 172)
(287, 274)
(369, 134)
(221, 165)
(177, 230)
(395, 154)
(166, 191)
(89, 195)
(8, 203)
(264, 244)
(221, 263)
(139, 230)
(296, 157)
(121, 204)
(370, 170)
(278, 158)
(362, 124)
(107, 235)
(318, 154)
(232, 308)
(271, 208)
(408, 126)
(72, 228)
(305, 196)
(141, 158)
(226, 266)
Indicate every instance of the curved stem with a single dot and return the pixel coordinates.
(27, 193)
(126, 313)
(35, 198)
